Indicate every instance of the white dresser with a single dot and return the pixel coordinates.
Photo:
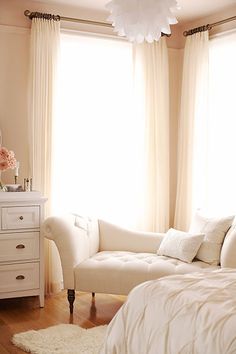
(21, 245)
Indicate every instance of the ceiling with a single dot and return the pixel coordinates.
(189, 9)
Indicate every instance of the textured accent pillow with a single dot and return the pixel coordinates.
(215, 230)
(180, 245)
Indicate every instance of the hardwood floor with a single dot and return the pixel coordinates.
(23, 314)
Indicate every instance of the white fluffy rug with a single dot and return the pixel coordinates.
(61, 339)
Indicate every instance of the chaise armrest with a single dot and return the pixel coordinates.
(115, 238)
(76, 239)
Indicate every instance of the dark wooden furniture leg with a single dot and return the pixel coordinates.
(71, 298)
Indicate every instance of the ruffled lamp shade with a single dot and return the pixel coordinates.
(140, 20)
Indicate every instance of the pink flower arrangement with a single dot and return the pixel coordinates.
(7, 159)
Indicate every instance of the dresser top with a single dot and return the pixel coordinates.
(22, 197)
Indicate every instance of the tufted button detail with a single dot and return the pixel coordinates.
(117, 272)
(147, 259)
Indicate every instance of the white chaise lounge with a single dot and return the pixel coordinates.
(99, 257)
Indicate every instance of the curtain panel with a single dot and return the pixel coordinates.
(192, 112)
(45, 44)
(152, 90)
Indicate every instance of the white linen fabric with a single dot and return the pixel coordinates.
(118, 272)
(228, 251)
(45, 42)
(76, 239)
(193, 110)
(100, 257)
(192, 313)
(115, 238)
(215, 230)
(152, 89)
(180, 245)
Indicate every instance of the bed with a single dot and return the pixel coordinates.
(180, 314)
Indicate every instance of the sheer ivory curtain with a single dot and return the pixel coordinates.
(45, 40)
(193, 112)
(152, 93)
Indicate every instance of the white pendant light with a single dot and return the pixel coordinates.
(140, 20)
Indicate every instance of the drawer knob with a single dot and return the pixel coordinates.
(20, 277)
(21, 217)
(20, 246)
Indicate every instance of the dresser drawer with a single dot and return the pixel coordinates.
(14, 218)
(17, 277)
(19, 246)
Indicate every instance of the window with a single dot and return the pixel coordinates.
(218, 171)
(98, 138)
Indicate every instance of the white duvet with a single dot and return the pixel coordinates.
(187, 314)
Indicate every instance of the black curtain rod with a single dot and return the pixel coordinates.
(208, 26)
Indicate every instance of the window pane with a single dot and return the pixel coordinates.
(220, 172)
(98, 140)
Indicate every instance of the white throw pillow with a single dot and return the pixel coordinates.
(180, 245)
(215, 230)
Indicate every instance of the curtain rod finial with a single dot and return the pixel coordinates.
(26, 12)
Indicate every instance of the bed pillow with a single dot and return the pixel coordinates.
(215, 230)
(180, 245)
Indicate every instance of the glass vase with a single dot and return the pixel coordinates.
(3, 188)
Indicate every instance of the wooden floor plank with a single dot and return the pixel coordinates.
(23, 314)
(3, 350)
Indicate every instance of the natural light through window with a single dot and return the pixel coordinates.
(219, 172)
(98, 139)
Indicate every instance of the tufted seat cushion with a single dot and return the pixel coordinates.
(117, 272)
